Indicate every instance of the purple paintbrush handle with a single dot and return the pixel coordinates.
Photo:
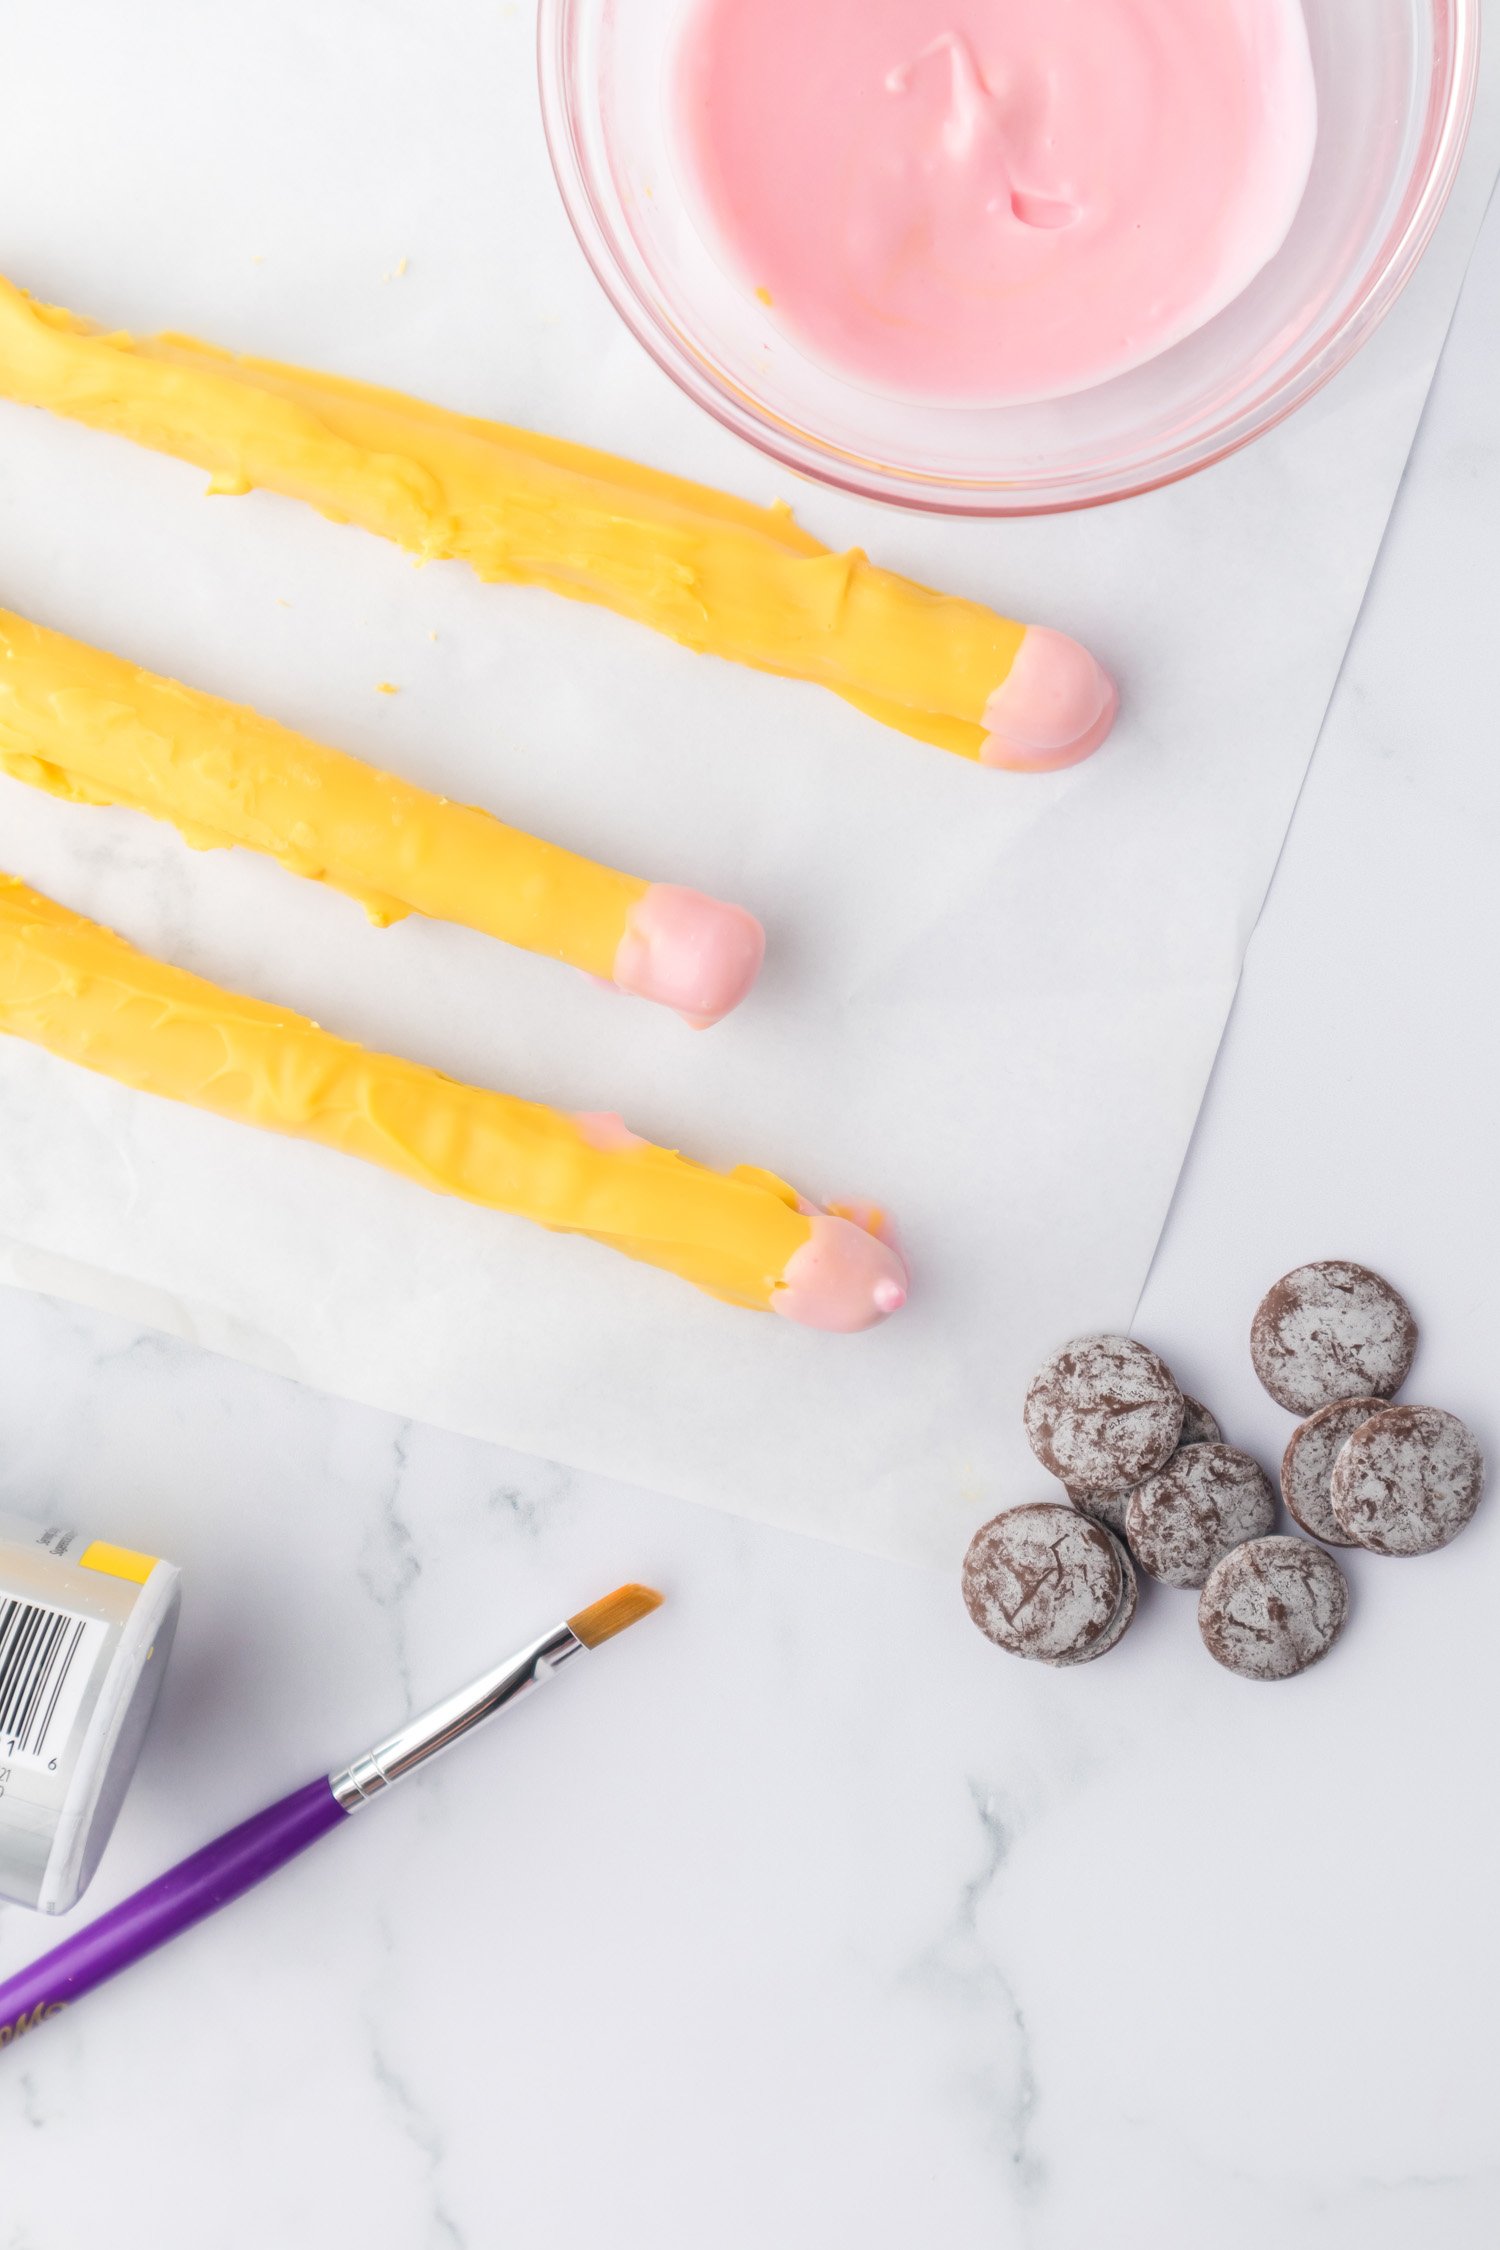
(174, 1902)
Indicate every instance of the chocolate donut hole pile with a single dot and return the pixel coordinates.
(1150, 1482)
(1335, 1342)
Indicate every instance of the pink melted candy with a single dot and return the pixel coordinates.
(691, 953)
(606, 1130)
(995, 200)
(842, 1279)
(1054, 706)
(848, 1275)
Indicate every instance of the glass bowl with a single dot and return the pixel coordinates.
(1396, 82)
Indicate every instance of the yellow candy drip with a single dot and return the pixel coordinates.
(95, 729)
(711, 571)
(92, 998)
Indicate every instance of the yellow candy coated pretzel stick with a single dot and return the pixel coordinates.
(96, 729)
(711, 571)
(92, 998)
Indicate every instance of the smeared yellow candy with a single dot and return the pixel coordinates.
(711, 571)
(90, 997)
(95, 729)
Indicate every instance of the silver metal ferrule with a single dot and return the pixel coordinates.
(447, 1722)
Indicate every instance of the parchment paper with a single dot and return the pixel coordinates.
(990, 1003)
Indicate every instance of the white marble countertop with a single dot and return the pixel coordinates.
(807, 1917)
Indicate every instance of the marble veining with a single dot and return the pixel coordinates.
(413, 2120)
(811, 1894)
(389, 1562)
(962, 1972)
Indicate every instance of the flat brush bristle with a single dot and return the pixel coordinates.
(627, 1605)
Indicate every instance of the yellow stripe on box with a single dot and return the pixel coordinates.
(117, 1562)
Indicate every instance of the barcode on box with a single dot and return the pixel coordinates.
(47, 1659)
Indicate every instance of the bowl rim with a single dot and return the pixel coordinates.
(1451, 100)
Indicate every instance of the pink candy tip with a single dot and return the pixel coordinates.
(688, 952)
(842, 1279)
(1054, 707)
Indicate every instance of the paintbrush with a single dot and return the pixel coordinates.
(199, 1886)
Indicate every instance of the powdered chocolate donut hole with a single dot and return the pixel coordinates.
(1331, 1331)
(1307, 1466)
(1208, 1499)
(1044, 1582)
(1407, 1481)
(1198, 1425)
(1108, 1508)
(1102, 1413)
(1272, 1607)
(1124, 1616)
